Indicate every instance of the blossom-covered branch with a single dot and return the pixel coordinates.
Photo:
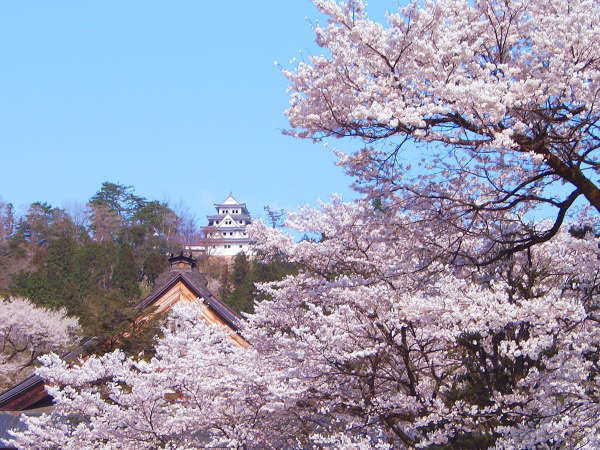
(499, 101)
(27, 332)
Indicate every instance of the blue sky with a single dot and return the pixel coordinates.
(180, 99)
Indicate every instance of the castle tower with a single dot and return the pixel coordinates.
(226, 233)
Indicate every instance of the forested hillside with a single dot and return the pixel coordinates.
(95, 261)
(236, 280)
(98, 261)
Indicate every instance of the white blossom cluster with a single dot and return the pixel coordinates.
(373, 343)
(28, 331)
(494, 103)
(434, 311)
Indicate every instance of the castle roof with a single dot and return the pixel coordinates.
(224, 228)
(226, 240)
(233, 216)
(230, 201)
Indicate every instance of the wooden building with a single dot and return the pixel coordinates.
(182, 282)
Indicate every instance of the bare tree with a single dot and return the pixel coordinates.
(182, 226)
(105, 223)
(79, 213)
(276, 216)
(7, 220)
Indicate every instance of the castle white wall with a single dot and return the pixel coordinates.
(226, 227)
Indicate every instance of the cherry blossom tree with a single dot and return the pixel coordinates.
(498, 98)
(434, 311)
(431, 354)
(202, 389)
(362, 348)
(27, 332)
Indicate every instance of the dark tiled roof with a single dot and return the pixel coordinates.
(35, 381)
(21, 388)
(9, 422)
(182, 258)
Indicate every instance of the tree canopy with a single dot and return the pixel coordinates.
(497, 96)
(96, 267)
(27, 332)
(437, 311)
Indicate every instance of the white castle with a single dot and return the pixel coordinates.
(226, 233)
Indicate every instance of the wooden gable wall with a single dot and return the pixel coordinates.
(180, 292)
